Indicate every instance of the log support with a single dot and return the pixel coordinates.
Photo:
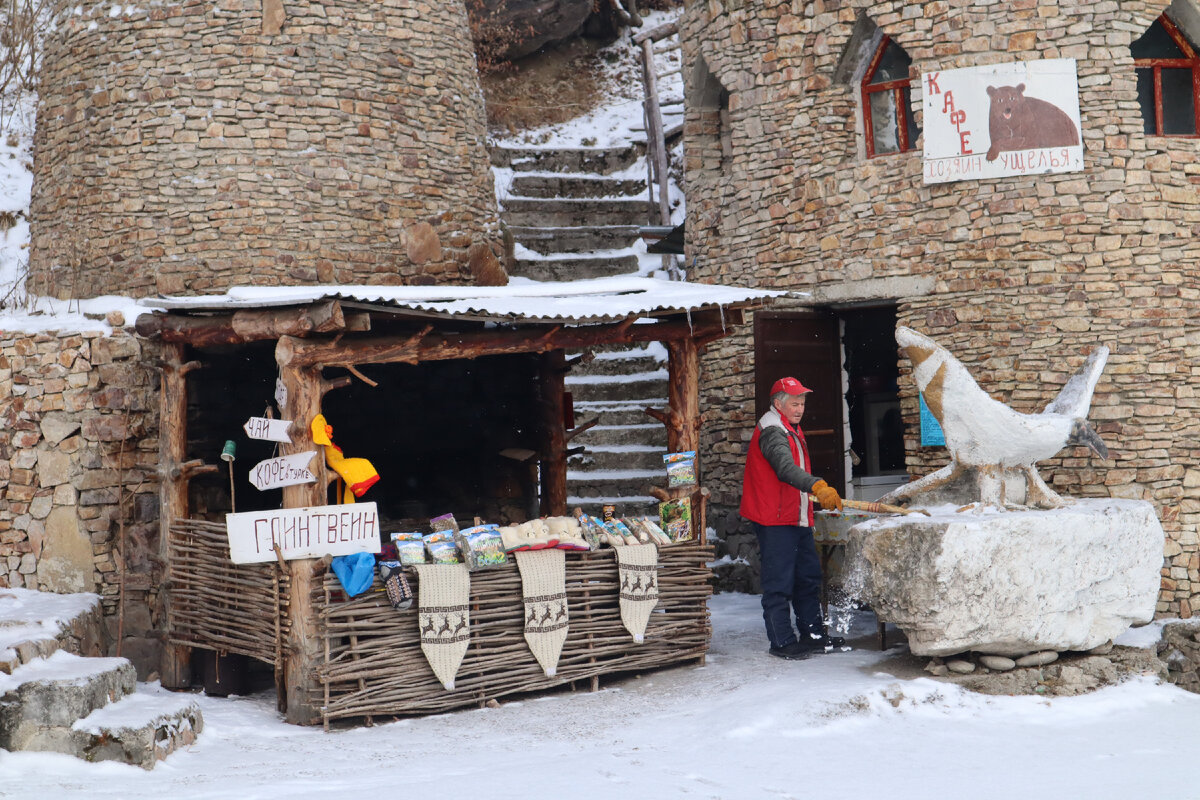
(554, 435)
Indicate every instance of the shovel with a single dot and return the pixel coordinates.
(881, 508)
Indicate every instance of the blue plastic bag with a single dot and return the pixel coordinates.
(355, 571)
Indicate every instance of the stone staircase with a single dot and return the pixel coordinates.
(89, 707)
(573, 215)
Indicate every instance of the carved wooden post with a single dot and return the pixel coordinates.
(175, 665)
(683, 395)
(552, 370)
(303, 385)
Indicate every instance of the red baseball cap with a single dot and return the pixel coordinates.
(789, 385)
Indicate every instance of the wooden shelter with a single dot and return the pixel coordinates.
(337, 658)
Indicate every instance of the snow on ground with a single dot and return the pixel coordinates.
(744, 725)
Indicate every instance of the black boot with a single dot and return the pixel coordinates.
(824, 643)
(796, 651)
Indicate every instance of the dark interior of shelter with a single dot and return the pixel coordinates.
(444, 436)
(876, 427)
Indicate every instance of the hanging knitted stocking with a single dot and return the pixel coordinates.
(444, 617)
(637, 566)
(544, 586)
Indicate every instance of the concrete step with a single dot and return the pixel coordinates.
(644, 387)
(570, 269)
(142, 729)
(577, 186)
(612, 484)
(594, 160)
(574, 239)
(560, 212)
(633, 506)
(619, 366)
(652, 433)
(618, 457)
(615, 412)
(40, 700)
(25, 652)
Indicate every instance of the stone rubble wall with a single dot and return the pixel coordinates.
(1028, 274)
(78, 474)
(182, 150)
(1179, 648)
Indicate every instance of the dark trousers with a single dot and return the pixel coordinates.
(791, 581)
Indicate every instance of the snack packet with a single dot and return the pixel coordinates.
(481, 547)
(676, 518)
(446, 522)
(410, 548)
(442, 548)
(681, 468)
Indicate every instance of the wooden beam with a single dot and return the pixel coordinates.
(175, 665)
(473, 344)
(554, 435)
(683, 393)
(304, 388)
(251, 326)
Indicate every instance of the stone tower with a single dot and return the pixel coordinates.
(184, 146)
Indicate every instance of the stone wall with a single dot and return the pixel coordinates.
(78, 473)
(184, 146)
(1019, 277)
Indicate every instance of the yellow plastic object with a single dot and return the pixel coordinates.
(359, 474)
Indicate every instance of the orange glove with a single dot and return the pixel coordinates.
(827, 496)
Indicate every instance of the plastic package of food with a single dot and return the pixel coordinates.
(593, 531)
(676, 518)
(681, 468)
(481, 547)
(446, 522)
(442, 548)
(410, 548)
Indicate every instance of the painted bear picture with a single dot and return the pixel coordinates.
(1017, 122)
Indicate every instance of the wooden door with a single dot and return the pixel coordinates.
(806, 345)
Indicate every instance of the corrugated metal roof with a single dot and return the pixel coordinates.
(574, 302)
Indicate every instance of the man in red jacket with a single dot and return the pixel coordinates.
(776, 499)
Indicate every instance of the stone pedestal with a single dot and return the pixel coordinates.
(1010, 582)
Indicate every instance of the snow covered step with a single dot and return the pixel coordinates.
(142, 729)
(40, 701)
(14, 654)
(598, 160)
(613, 483)
(576, 186)
(616, 457)
(567, 212)
(626, 506)
(570, 269)
(614, 412)
(651, 433)
(574, 239)
(645, 388)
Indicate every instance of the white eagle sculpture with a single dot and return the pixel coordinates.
(989, 441)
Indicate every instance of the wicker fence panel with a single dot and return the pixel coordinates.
(219, 605)
(374, 665)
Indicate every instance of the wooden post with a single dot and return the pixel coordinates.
(304, 650)
(175, 665)
(683, 395)
(552, 370)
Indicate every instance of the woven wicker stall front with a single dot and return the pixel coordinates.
(219, 605)
(374, 664)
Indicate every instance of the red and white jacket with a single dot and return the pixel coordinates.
(776, 483)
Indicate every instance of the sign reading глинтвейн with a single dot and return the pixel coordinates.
(1020, 118)
(309, 532)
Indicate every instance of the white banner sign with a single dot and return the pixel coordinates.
(303, 532)
(271, 430)
(283, 471)
(1020, 118)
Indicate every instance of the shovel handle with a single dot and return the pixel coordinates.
(881, 508)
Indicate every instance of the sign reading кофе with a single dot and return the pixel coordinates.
(303, 532)
(1020, 118)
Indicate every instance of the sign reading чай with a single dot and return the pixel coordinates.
(303, 532)
(267, 429)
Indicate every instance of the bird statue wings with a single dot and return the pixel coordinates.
(988, 439)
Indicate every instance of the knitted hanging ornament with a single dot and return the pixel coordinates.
(544, 586)
(637, 566)
(444, 617)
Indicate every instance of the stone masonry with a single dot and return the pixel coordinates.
(1019, 277)
(184, 146)
(78, 472)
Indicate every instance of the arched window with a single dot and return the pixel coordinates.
(886, 100)
(1168, 80)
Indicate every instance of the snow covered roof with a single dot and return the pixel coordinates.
(575, 302)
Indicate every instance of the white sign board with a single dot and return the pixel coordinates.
(283, 471)
(303, 532)
(280, 393)
(271, 430)
(1020, 118)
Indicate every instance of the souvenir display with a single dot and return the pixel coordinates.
(444, 617)
(637, 569)
(531, 535)
(543, 585)
(445, 522)
(442, 548)
(481, 547)
(410, 548)
(676, 518)
(681, 468)
(568, 533)
(593, 532)
(399, 593)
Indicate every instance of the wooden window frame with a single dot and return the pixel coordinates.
(897, 88)
(1191, 62)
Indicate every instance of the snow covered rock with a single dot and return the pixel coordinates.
(1010, 583)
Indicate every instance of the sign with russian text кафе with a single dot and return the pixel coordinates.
(303, 532)
(1020, 118)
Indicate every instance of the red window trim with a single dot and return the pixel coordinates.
(897, 87)
(1191, 62)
